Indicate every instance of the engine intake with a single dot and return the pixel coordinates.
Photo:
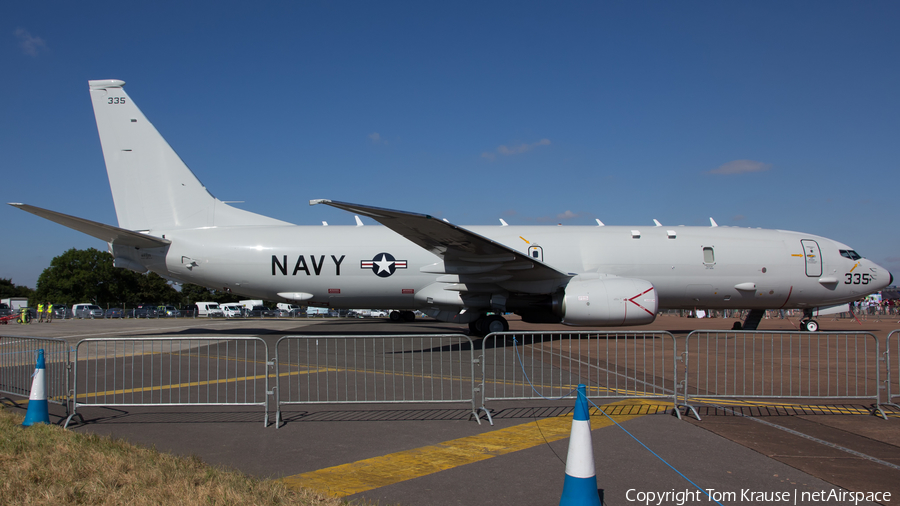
(608, 301)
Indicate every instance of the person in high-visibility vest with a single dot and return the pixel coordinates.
(24, 317)
(49, 313)
(41, 312)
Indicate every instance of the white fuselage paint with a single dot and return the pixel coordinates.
(770, 266)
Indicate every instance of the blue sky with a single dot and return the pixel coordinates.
(759, 114)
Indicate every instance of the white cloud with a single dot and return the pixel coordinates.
(568, 215)
(741, 167)
(514, 150)
(375, 137)
(29, 44)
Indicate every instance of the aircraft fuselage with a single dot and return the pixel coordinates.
(690, 267)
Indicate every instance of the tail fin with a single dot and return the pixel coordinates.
(151, 187)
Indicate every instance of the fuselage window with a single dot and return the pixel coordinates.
(709, 256)
(849, 253)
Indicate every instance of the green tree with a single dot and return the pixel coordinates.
(9, 289)
(89, 276)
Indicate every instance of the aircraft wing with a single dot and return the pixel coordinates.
(473, 257)
(107, 233)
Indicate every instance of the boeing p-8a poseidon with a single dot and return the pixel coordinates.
(590, 276)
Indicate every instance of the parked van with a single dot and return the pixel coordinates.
(232, 310)
(87, 311)
(248, 304)
(316, 311)
(209, 309)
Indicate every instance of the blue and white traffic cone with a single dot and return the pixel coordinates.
(37, 401)
(580, 487)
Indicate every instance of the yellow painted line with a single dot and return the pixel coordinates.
(844, 410)
(231, 380)
(376, 472)
(855, 266)
(174, 354)
(193, 384)
(796, 254)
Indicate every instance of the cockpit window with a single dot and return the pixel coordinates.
(849, 253)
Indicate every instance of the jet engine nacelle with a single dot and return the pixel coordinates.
(608, 301)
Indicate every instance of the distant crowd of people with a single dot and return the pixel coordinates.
(875, 308)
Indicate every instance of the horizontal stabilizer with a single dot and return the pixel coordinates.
(107, 233)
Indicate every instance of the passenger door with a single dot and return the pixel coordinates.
(813, 257)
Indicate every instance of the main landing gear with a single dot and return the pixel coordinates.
(488, 324)
(406, 316)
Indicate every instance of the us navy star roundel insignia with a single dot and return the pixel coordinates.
(383, 265)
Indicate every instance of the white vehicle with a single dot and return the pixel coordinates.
(248, 304)
(232, 310)
(595, 276)
(209, 309)
(87, 311)
(15, 303)
(287, 307)
(317, 311)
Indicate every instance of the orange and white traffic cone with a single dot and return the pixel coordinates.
(580, 487)
(37, 401)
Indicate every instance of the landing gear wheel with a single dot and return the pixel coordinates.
(737, 326)
(474, 330)
(395, 316)
(809, 325)
(494, 323)
(408, 316)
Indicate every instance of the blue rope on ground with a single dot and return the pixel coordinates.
(525, 374)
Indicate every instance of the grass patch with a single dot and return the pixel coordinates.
(45, 464)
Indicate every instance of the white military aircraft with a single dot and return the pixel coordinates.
(589, 276)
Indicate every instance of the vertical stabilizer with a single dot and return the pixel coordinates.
(151, 187)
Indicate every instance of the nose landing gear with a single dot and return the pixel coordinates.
(807, 323)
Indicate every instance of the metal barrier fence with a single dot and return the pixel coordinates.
(166, 371)
(892, 347)
(374, 369)
(544, 365)
(234, 371)
(774, 365)
(18, 359)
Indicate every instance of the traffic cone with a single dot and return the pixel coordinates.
(37, 401)
(580, 487)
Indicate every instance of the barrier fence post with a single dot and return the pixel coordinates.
(17, 366)
(166, 371)
(892, 369)
(783, 365)
(348, 369)
(612, 365)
